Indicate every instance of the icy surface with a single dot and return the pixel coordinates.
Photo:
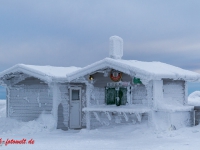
(194, 98)
(129, 137)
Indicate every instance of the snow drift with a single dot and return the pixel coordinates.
(194, 98)
(45, 123)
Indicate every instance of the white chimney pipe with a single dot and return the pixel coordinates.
(116, 47)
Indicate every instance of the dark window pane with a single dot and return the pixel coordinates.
(123, 95)
(75, 94)
(110, 96)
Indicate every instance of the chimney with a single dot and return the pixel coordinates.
(116, 47)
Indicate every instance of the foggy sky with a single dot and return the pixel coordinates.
(76, 33)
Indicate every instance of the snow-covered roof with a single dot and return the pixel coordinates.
(145, 70)
(46, 73)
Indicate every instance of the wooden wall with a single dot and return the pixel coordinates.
(63, 107)
(28, 99)
(31, 97)
(174, 90)
(197, 115)
(138, 94)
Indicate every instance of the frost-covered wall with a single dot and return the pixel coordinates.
(28, 99)
(98, 96)
(174, 90)
(149, 97)
(172, 120)
(100, 82)
(64, 105)
(139, 94)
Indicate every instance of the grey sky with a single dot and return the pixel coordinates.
(76, 33)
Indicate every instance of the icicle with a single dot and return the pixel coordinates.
(125, 116)
(138, 116)
(108, 115)
(97, 117)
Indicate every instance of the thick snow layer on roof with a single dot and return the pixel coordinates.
(43, 72)
(194, 98)
(144, 70)
(51, 71)
(157, 68)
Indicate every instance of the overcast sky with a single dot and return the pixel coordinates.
(76, 33)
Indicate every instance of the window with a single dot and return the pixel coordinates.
(75, 94)
(112, 95)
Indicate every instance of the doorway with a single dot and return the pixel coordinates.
(75, 108)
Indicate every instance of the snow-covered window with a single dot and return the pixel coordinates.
(116, 96)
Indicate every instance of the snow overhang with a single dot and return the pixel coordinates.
(47, 74)
(23, 69)
(146, 71)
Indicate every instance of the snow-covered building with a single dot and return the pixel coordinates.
(108, 92)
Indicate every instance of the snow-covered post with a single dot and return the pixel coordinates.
(157, 92)
(7, 101)
(55, 91)
(88, 94)
(185, 102)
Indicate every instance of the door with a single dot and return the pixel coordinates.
(75, 108)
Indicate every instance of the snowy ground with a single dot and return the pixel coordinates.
(131, 137)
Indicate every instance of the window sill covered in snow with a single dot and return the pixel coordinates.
(114, 108)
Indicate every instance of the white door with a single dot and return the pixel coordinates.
(75, 108)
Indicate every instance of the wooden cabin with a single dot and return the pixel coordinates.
(109, 92)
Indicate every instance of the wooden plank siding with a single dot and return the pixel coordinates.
(139, 94)
(63, 107)
(197, 115)
(28, 99)
(174, 90)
